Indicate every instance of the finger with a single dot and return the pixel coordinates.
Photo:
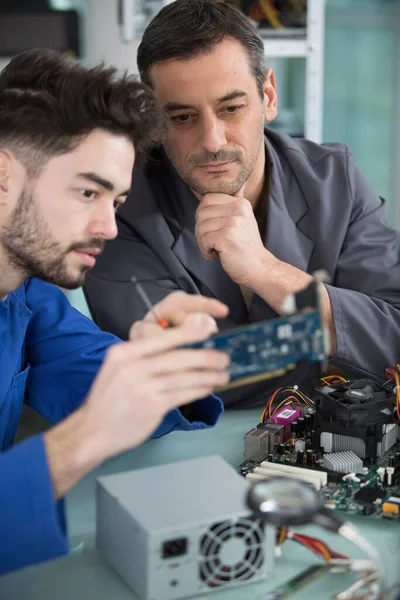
(209, 254)
(212, 226)
(240, 209)
(216, 198)
(178, 305)
(174, 399)
(216, 224)
(151, 371)
(183, 388)
(184, 360)
(186, 333)
(210, 244)
(144, 329)
(216, 210)
(173, 382)
(207, 236)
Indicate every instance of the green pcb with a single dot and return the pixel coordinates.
(365, 497)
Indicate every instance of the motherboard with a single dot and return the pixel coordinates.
(368, 493)
(344, 441)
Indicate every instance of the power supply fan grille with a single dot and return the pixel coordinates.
(231, 551)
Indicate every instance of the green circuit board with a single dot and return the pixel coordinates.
(269, 348)
(298, 582)
(344, 496)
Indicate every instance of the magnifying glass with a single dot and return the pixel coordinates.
(281, 501)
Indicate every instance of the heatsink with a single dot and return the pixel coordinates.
(334, 442)
(343, 462)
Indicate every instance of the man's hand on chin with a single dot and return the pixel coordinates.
(226, 226)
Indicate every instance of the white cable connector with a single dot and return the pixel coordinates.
(390, 472)
(351, 477)
(381, 472)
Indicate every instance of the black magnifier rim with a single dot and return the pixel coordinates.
(303, 514)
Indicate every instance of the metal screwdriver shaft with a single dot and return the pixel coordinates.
(161, 322)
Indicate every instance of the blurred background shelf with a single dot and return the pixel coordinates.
(285, 48)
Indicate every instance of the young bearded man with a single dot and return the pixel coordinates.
(233, 210)
(68, 140)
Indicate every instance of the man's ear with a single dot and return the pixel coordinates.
(270, 96)
(12, 178)
(4, 176)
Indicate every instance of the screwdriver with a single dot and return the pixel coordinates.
(161, 322)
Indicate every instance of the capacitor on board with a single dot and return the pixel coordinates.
(307, 421)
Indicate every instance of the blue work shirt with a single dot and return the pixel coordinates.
(49, 356)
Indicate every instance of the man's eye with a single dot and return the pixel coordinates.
(181, 118)
(89, 194)
(116, 205)
(232, 109)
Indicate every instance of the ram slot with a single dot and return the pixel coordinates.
(282, 468)
(307, 476)
(254, 477)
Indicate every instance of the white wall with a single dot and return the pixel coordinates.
(102, 37)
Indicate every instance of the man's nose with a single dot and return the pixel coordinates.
(213, 136)
(103, 224)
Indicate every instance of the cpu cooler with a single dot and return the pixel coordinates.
(356, 416)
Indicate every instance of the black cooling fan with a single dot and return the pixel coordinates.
(357, 416)
(357, 403)
(231, 551)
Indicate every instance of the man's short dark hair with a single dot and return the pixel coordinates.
(49, 103)
(185, 29)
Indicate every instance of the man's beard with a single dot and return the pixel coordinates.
(31, 248)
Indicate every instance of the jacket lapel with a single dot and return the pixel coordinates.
(286, 208)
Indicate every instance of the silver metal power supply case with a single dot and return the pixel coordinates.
(181, 529)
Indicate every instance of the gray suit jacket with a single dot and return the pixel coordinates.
(322, 214)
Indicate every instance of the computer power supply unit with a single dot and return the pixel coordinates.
(182, 529)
